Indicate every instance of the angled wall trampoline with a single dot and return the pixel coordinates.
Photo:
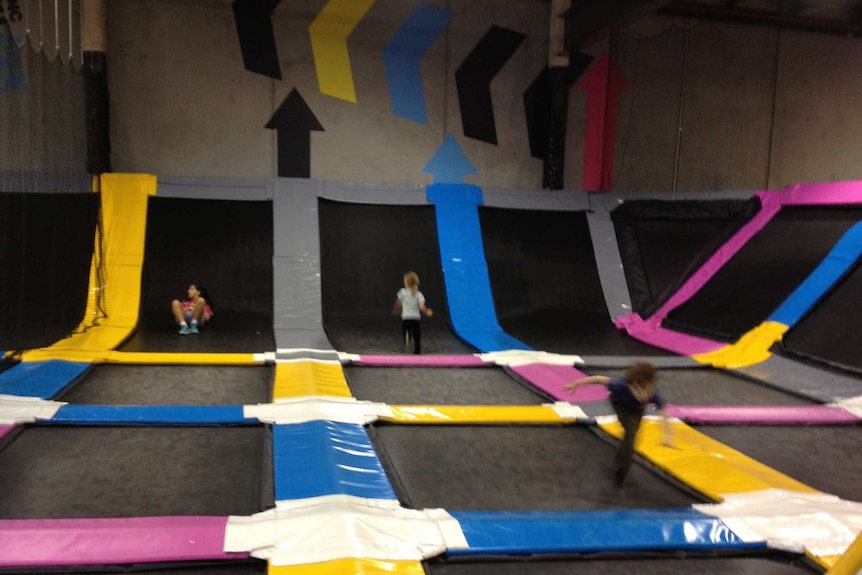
(296, 434)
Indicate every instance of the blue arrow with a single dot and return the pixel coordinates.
(450, 164)
(402, 55)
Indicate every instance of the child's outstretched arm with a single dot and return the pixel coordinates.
(667, 440)
(426, 310)
(585, 381)
(396, 308)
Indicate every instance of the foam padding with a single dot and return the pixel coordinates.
(309, 378)
(151, 415)
(352, 566)
(763, 414)
(69, 542)
(321, 458)
(476, 414)
(43, 379)
(468, 287)
(124, 217)
(705, 464)
(511, 532)
(751, 349)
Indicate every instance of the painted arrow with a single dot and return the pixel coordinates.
(473, 80)
(329, 32)
(603, 84)
(402, 55)
(449, 164)
(253, 20)
(294, 121)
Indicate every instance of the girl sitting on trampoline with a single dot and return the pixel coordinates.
(410, 303)
(630, 396)
(193, 312)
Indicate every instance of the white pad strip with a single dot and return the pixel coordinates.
(851, 404)
(318, 408)
(347, 358)
(822, 524)
(265, 357)
(19, 409)
(518, 357)
(567, 411)
(318, 533)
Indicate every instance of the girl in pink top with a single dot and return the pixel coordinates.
(192, 312)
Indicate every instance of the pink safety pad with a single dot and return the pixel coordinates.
(66, 542)
(550, 378)
(763, 414)
(648, 331)
(421, 361)
(829, 193)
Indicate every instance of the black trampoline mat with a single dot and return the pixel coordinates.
(450, 386)
(228, 332)
(498, 468)
(172, 385)
(712, 387)
(62, 472)
(825, 458)
(635, 565)
(381, 334)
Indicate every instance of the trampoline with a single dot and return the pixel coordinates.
(363, 440)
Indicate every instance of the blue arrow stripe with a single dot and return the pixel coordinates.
(402, 55)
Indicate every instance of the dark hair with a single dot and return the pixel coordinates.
(204, 294)
(640, 372)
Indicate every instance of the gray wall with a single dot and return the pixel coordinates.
(710, 107)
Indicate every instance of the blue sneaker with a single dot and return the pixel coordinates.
(194, 328)
(184, 330)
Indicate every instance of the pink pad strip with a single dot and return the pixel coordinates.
(66, 542)
(422, 361)
(550, 378)
(648, 331)
(763, 414)
(5, 430)
(830, 193)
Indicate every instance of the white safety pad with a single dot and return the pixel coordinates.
(851, 404)
(17, 409)
(519, 357)
(265, 357)
(318, 408)
(822, 524)
(347, 358)
(567, 411)
(340, 530)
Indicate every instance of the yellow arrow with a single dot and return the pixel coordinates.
(329, 32)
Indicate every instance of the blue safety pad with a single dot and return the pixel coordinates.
(468, 287)
(43, 379)
(151, 415)
(839, 260)
(501, 532)
(320, 458)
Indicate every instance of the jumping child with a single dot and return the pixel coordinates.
(410, 302)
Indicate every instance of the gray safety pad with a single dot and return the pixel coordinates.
(623, 361)
(802, 379)
(543, 200)
(681, 196)
(607, 252)
(373, 193)
(214, 188)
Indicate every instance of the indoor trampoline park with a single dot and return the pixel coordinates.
(298, 432)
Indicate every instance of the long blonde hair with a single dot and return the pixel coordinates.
(411, 280)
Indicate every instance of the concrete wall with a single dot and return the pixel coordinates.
(710, 107)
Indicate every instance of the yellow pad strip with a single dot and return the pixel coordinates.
(352, 566)
(751, 349)
(329, 32)
(705, 464)
(124, 218)
(120, 357)
(304, 378)
(491, 414)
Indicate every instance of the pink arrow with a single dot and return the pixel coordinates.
(603, 84)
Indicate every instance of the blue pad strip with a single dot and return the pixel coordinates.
(594, 531)
(840, 259)
(320, 458)
(151, 415)
(43, 379)
(468, 287)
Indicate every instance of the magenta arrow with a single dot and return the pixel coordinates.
(603, 83)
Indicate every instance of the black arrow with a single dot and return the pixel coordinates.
(473, 80)
(256, 39)
(294, 121)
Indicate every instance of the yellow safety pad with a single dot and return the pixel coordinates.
(119, 357)
(329, 32)
(124, 221)
(705, 464)
(491, 414)
(751, 349)
(351, 566)
(304, 378)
